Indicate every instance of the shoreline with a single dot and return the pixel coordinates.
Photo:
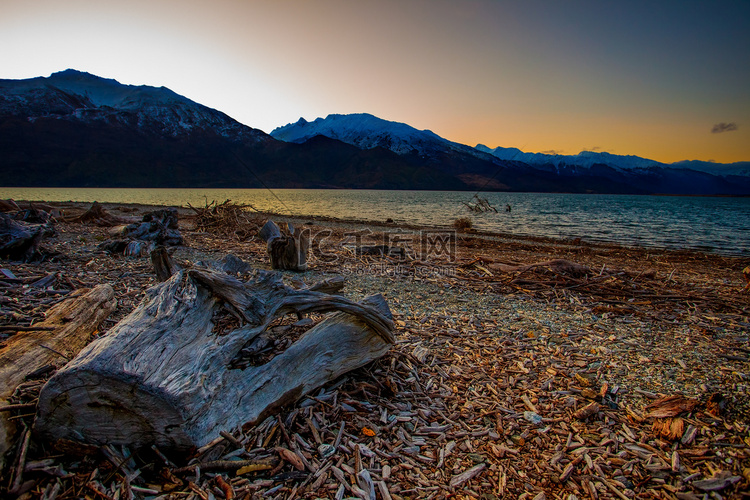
(400, 225)
(631, 221)
(491, 366)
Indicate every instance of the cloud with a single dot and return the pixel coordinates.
(724, 127)
(553, 152)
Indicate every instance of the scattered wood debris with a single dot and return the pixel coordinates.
(479, 396)
(227, 219)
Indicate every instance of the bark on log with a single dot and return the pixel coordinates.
(163, 374)
(65, 331)
(287, 250)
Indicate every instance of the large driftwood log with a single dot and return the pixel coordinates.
(64, 332)
(164, 375)
(287, 250)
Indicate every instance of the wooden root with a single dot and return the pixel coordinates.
(163, 376)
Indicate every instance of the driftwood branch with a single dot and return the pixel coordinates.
(164, 375)
(66, 330)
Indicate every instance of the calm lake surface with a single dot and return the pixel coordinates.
(719, 225)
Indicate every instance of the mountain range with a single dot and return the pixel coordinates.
(74, 129)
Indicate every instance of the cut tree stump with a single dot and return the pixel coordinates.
(163, 375)
(65, 331)
(287, 250)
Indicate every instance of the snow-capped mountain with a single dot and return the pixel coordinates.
(740, 168)
(510, 168)
(584, 159)
(79, 96)
(77, 129)
(362, 130)
(367, 131)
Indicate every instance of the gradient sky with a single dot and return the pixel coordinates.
(666, 80)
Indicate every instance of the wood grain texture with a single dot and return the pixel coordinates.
(64, 332)
(162, 375)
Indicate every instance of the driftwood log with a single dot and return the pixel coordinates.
(164, 375)
(64, 332)
(159, 226)
(288, 249)
(138, 239)
(20, 240)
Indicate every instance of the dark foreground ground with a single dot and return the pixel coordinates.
(524, 368)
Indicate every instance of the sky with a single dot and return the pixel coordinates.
(665, 80)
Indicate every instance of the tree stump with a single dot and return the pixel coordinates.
(164, 266)
(164, 375)
(20, 240)
(288, 250)
(97, 215)
(65, 331)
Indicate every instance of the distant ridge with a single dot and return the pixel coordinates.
(587, 159)
(587, 171)
(77, 129)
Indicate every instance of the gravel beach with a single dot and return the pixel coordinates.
(523, 368)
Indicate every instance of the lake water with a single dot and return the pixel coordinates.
(719, 225)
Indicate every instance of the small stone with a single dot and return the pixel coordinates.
(326, 450)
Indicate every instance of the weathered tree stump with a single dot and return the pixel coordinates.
(139, 239)
(287, 250)
(159, 226)
(164, 266)
(20, 240)
(164, 375)
(96, 214)
(65, 331)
